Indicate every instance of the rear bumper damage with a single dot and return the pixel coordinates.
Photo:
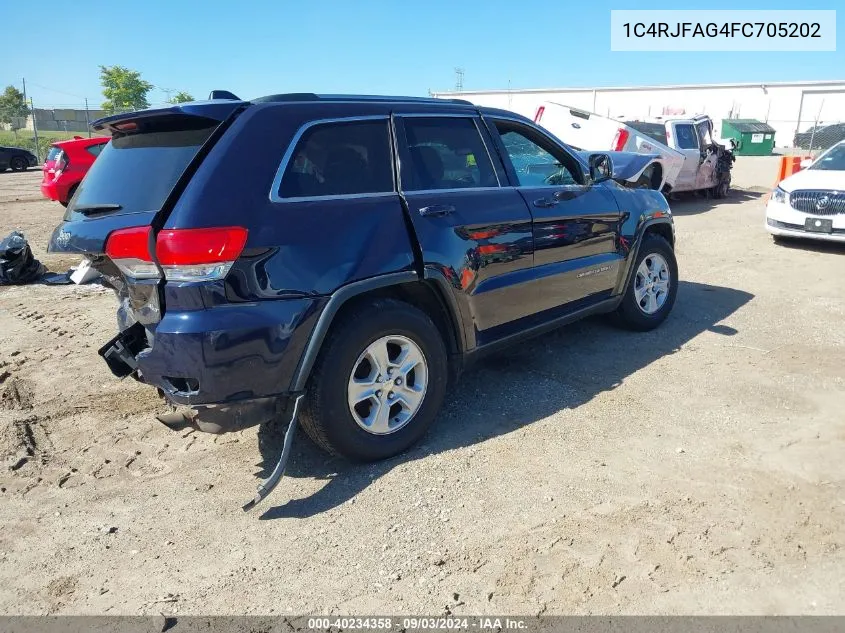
(226, 418)
(230, 367)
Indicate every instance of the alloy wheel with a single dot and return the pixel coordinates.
(651, 284)
(387, 385)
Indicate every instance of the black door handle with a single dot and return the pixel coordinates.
(546, 203)
(436, 210)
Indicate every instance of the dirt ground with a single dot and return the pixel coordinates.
(694, 469)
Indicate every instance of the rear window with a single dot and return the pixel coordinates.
(340, 159)
(138, 171)
(95, 150)
(656, 131)
(51, 155)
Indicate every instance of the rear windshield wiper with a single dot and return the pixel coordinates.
(97, 208)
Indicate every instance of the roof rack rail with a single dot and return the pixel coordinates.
(310, 96)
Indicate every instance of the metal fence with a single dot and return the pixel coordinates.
(47, 124)
(818, 136)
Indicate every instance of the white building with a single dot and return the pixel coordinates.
(786, 106)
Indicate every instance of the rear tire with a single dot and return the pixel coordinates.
(346, 361)
(18, 164)
(649, 297)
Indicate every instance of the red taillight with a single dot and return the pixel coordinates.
(183, 254)
(129, 249)
(199, 254)
(539, 114)
(620, 139)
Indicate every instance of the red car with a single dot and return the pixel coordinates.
(66, 166)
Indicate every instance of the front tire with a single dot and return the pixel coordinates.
(653, 286)
(378, 382)
(721, 190)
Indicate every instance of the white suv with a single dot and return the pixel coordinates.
(811, 203)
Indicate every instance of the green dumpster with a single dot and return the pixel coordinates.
(753, 137)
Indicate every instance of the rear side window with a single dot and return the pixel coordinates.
(687, 138)
(138, 171)
(340, 159)
(446, 153)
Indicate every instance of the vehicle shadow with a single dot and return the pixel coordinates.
(693, 203)
(816, 246)
(561, 370)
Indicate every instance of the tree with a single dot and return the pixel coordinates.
(123, 89)
(181, 97)
(12, 108)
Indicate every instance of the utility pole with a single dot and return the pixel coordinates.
(35, 130)
(87, 122)
(23, 79)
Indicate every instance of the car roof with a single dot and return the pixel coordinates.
(220, 108)
(311, 96)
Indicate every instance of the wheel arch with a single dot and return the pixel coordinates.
(425, 295)
(661, 226)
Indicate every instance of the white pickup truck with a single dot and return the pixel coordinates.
(690, 157)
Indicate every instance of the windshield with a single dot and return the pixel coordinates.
(138, 171)
(656, 131)
(832, 160)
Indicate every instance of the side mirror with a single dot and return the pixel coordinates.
(601, 168)
(806, 163)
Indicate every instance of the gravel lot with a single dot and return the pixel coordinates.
(694, 469)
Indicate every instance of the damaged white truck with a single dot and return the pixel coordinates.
(690, 158)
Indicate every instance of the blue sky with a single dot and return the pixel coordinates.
(258, 47)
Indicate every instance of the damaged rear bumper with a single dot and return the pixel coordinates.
(231, 365)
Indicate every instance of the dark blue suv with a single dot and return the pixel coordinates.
(357, 250)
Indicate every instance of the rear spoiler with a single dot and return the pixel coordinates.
(217, 109)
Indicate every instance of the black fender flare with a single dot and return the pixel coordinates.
(337, 299)
(635, 248)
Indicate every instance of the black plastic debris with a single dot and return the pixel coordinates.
(17, 263)
(56, 279)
